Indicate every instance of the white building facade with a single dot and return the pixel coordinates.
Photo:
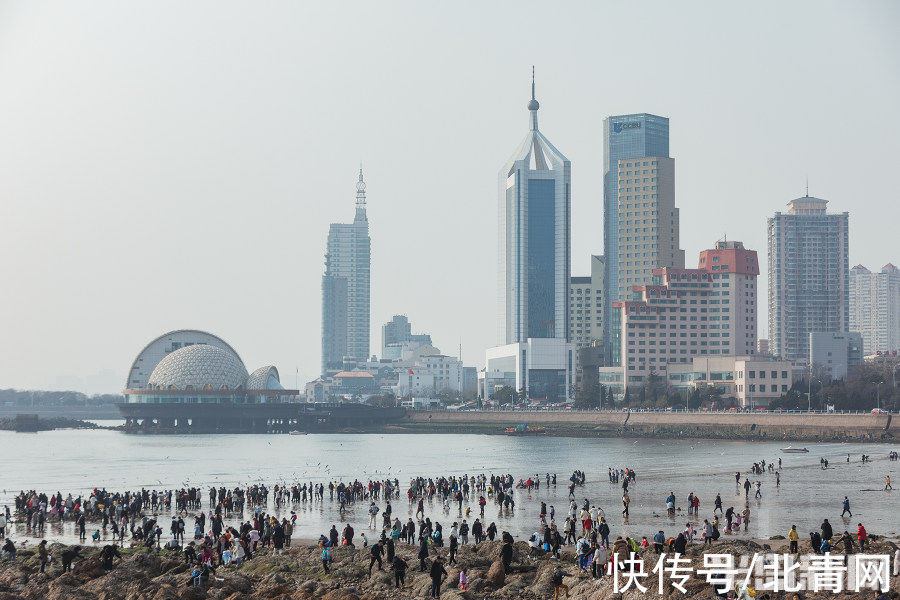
(586, 298)
(809, 286)
(544, 367)
(875, 308)
(835, 351)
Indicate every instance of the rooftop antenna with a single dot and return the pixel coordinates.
(361, 190)
(807, 186)
(533, 104)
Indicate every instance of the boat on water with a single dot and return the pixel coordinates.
(295, 432)
(791, 450)
(525, 430)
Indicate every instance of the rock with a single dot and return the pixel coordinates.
(543, 579)
(340, 594)
(496, 575)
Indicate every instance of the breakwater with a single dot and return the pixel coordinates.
(716, 425)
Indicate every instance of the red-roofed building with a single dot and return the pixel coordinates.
(683, 314)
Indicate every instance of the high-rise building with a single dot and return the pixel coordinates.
(732, 306)
(647, 222)
(875, 307)
(395, 332)
(640, 221)
(534, 268)
(345, 289)
(534, 238)
(809, 286)
(586, 297)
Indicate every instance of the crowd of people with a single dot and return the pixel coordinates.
(233, 524)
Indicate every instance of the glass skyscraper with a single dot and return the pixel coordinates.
(345, 289)
(534, 246)
(625, 137)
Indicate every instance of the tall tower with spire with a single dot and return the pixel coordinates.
(534, 238)
(346, 289)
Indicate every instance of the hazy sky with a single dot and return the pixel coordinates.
(171, 165)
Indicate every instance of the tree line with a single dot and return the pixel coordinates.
(11, 397)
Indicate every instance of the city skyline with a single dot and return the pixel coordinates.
(134, 199)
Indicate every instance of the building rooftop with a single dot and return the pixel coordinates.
(807, 205)
(353, 374)
(198, 367)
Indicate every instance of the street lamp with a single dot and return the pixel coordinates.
(809, 390)
(878, 394)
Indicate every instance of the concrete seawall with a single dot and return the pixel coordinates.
(772, 426)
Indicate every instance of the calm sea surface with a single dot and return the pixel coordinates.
(74, 461)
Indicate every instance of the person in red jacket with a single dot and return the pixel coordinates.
(861, 536)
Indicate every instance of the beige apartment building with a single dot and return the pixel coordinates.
(648, 221)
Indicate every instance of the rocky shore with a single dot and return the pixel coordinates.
(297, 574)
(48, 424)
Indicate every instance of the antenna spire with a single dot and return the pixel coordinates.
(360, 190)
(533, 105)
(807, 186)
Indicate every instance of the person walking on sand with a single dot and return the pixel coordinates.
(373, 513)
(794, 538)
(846, 507)
(887, 483)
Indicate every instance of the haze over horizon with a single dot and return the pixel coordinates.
(176, 165)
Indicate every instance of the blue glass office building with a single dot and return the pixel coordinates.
(624, 137)
(534, 245)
